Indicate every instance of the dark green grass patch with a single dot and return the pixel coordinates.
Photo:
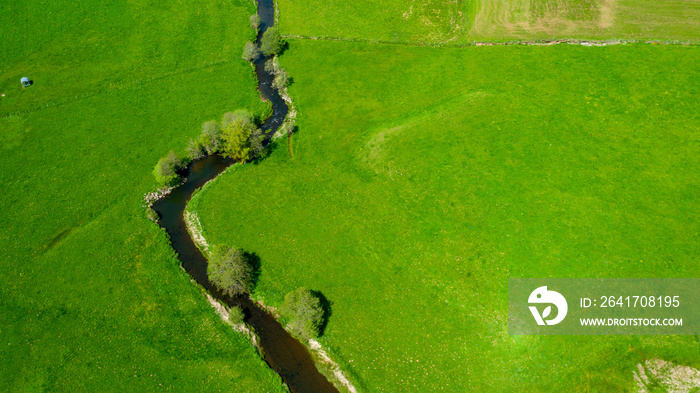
(423, 179)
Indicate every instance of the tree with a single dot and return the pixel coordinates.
(166, 169)
(273, 65)
(195, 150)
(235, 315)
(239, 117)
(231, 270)
(303, 310)
(211, 137)
(255, 21)
(151, 214)
(250, 52)
(281, 80)
(271, 43)
(237, 127)
(286, 128)
(257, 148)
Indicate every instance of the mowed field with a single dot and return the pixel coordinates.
(92, 298)
(445, 22)
(423, 178)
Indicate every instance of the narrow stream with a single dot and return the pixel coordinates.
(282, 352)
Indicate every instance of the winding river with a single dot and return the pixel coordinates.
(282, 352)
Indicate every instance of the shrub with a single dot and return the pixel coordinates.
(235, 315)
(281, 80)
(273, 65)
(211, 137)
(281, 77)
(304, 313)
(230, 270)
(195, 150)
(257, 148)
(286, 128)
(166, 169)
(250, 52)
(237, 127)
(237, 118)
(255, 21)
(271, 43)
(151, 214)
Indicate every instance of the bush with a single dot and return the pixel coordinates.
(195, 150)
(235, 315)
(257, 148)
(281, 77)
(237, 127)
(166, 169)
(151, 214)
(255, 21)
(250, 52)
(237, 118)
(286, 128)
(273, 65)
(271, 43)
(281, 80)
(231, 270)
(211, 137)
(304, 313)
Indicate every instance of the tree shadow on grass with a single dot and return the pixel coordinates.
(327, 311)
(255, 263)
(270, 147)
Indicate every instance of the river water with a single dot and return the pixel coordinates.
(282, 352)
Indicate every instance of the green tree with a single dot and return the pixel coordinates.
(230, 270)
(257, 148)
(195, 150)
(273, 65)
(210, 138)
(271, 43)
(166, 169)
(281, 80)
(281, 77)
(304, 312)
(250, 52)
(151, 214)
(255, 21)
(237, 127)
(235, 315)
(286, 128)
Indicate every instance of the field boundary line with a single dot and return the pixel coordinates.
(543, 42)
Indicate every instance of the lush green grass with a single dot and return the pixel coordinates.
(92, 296)
(423, 178)
(460, 22)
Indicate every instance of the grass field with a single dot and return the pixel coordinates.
(92, 298)
(444, 22)
(423, 178)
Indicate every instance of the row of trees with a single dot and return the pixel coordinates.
(235, 272)
(236, 136)
(271, 43)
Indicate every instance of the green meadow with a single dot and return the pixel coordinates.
(92, 297)
(421, 179)
(449, 23)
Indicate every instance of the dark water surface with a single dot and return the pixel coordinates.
(287, 356)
